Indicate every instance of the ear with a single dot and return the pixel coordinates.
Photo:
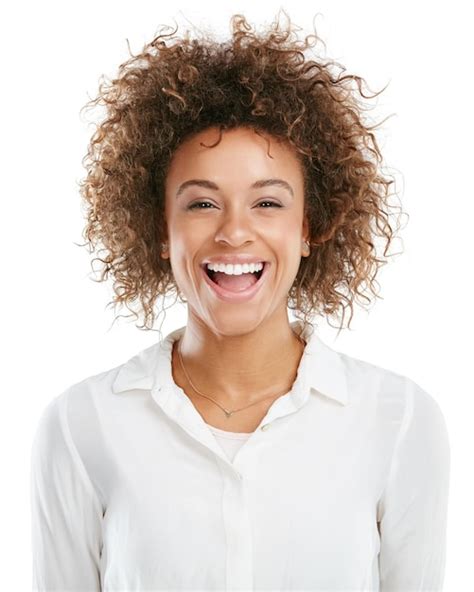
(305, 228)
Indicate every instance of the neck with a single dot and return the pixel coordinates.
(240, 368)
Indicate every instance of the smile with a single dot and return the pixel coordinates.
(236, 296)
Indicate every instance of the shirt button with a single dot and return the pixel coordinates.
(265, 427)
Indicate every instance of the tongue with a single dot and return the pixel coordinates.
(235, 283)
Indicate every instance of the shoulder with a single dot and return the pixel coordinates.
(73, 407)
(407, 418)
(92, 399)
(392, 394)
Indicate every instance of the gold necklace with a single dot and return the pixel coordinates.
(226, 411)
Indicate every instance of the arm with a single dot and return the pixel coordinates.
(66, 514)
(413, 507)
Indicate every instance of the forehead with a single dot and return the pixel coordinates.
(240, 156)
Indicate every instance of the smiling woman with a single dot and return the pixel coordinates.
(177, 88)
(240, 452)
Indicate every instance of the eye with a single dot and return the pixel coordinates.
(272, 203)
(195, 205)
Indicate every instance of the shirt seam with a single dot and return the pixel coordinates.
(86, 480)
(406, 421)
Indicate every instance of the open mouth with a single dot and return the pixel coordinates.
(211, 274)
(236, 288)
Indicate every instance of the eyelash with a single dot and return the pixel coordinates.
(196, 203)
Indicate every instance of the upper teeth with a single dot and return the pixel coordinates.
(235, 269)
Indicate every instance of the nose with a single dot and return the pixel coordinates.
(235, 228)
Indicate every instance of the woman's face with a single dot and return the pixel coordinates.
(236, 219)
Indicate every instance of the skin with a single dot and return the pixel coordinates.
(236, 352)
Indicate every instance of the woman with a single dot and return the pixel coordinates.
(240, 452)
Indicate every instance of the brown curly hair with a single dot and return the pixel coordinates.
(177, 87)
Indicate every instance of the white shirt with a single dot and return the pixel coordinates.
(343, 486)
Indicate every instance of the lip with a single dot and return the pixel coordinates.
(242, 296)
(233, 259)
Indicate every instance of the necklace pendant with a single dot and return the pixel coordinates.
(228, 413)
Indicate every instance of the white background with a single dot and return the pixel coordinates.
(56, 329)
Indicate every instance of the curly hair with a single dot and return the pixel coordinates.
(177, 87)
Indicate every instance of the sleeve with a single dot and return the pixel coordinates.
(414, 504)
(66, 514)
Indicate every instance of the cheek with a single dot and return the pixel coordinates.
(285, 234)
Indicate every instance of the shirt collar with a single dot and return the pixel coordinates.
(321, 368)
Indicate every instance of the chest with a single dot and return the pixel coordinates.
(245, 417)
(242, 420)
(179, 519)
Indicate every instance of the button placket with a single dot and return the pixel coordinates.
(238, 529)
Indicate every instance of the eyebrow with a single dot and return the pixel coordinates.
(257, 185)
